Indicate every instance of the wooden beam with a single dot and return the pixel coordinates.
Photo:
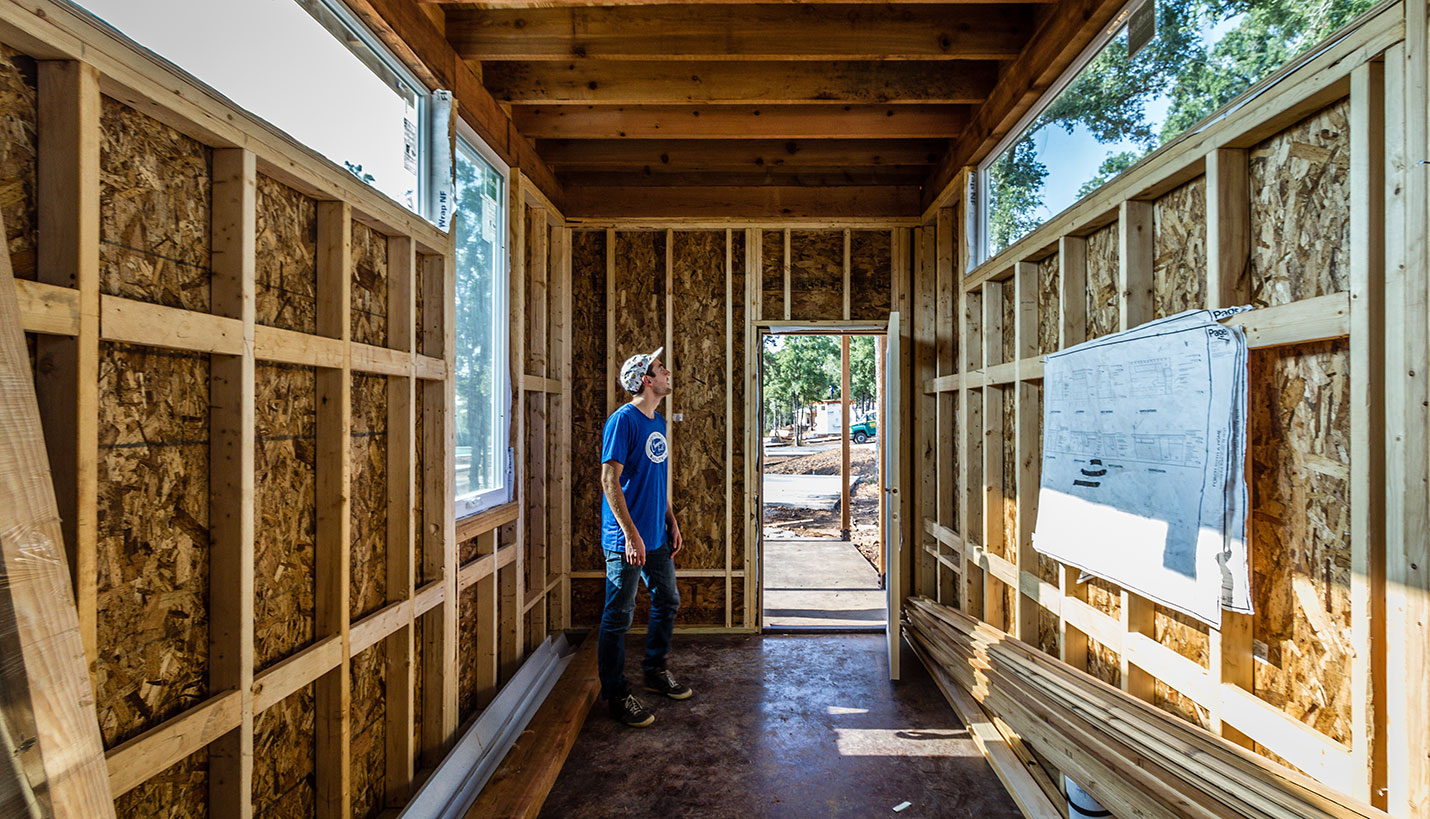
(529, 4)
(629, 82)
(741, 121)
(416, 39)
(774, 32)
(585, 154)
(401, 468)
(779, 176)
(750, 203)
(1063, 35)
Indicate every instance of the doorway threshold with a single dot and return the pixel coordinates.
(871, 629)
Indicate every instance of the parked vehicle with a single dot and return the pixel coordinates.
(862, 432)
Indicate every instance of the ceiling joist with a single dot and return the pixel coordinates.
(703, 202)
(741, 121)
(621, 82)
(782, 32)
(799, 176)
(586, 154)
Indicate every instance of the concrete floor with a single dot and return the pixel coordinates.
(825, 583)
(782, 726)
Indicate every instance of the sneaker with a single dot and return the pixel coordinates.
(629, 711)
(663, 682)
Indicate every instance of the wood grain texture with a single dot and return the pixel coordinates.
(368, 495)
(285, 511)
(1049, 309)
(155, 206)
(369, 287)
(283, 758)
(369, 733)
(588, 394)
(286, 246)
(1179, 267)
(816, 274)
(698, 457)
(870, 272)
(772, 275)
(1300, 210)
(1299, 433)
(1102, 291)
(153, 537)
(19, 148)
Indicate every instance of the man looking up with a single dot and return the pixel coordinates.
(640, 538)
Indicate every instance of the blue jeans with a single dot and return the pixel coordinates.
(622, 580)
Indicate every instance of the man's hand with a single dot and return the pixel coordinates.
(635, 550)
(676, 541)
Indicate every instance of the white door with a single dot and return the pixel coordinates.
(893, 543)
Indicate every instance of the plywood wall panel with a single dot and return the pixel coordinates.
(468, 619)
(153, 549)
(1300, 210)
(1049, 305)
(588, 394)
(284, 511)
(870, 274)
(369, 287)
(1190, 639)
(816, 270)
(19, 146)
(284, 750)
(1179, 261)
(368, 493)
(639, 297)
(1299, 430)
(368, 764)
(180, 791)
(285, 266)
(1102, 289)
(698, 458)
(772, 273)
(155, 204)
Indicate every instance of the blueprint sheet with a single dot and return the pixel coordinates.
(1143, 479)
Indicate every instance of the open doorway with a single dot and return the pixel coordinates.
(821, 488)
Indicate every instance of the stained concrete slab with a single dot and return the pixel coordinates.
(824, 583)
(782, 726)
(804, 491)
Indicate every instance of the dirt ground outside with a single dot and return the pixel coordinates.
(863, 501)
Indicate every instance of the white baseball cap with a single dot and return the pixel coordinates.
(635, 367)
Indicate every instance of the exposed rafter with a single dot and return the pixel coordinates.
(785, 32)
(800, 176)
(620, 82)
(741, 121)
(746, 154)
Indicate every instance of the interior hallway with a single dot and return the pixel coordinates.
(782, 726)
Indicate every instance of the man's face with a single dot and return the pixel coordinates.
(659, 379)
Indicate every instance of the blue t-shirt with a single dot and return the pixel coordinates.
(638, 444)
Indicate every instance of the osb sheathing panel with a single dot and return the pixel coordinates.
(535, 296)
(285, 253)
(153, 544)
(1102, 663)
(369, 289)
(772, 276)
(155, 189)
(870, 274)
(369, 733)
(1188, 638)
(284, 743)
(180, 791)
(1048, 632)
(737, 603)
(816, 271)
(699, 459)
(1179, 248)
(418, 626)
(639, 297)
(19, 145)
(737, 422)
(368, 493)
(1049, 304)
(1300, 210)
(1010, 474)
(1301, 530)
(1010, 336)
(1105, 596)
(1047, 567)
(702, 602)
(418, 307)
(468, 551)
(588, 394)
(467, 620)
(1102, 282)
(284, 511)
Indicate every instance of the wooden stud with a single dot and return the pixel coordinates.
(844, 433)
(945, 327)
(754, 429)
(1028, 420)
(534, 406)
(559, 532)
(332, 563)
(1072, 298)
(786, 275)
(1367, 297)
(924, 407)
(401, 577)
(515, 631)
(730, 331)
(992, 450)
(68, 256)
(671, 432)
(844, 284)
(232, 478)
(439, 626)
(612, 364)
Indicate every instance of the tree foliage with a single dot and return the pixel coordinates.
(798, 370)
(1110, 96)
(476, 326)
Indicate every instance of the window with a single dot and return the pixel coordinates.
(1111, 110)
(306, 66)
(482, 369)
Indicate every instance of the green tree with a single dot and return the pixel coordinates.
(798, 370)
(863, 390)
(476, 327)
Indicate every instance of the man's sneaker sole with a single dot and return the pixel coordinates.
(649, 721)
(684, 695)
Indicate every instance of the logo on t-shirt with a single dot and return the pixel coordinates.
(655, 448)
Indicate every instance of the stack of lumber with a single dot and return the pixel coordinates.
(1134, 758)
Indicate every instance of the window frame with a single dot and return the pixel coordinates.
(478, 501)
(976, 195)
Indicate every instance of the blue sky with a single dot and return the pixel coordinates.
(275, 60)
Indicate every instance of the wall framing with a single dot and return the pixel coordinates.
(1371, 73)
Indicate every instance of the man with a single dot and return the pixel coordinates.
(635, 520)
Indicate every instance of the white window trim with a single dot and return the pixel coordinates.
(481, 501)
(977, 192)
